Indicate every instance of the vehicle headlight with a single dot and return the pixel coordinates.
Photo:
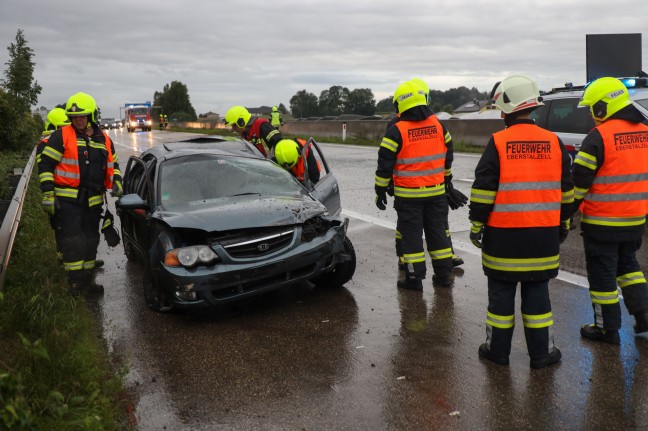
(190, 256)
(148, 122)
(133, 123)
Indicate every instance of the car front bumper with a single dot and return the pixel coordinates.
(236, 279)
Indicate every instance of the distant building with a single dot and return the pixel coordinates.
(476, 109)
(209, 116)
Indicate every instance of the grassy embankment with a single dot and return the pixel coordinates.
(55, 373)
(459, 147)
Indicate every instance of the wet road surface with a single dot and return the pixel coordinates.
(366, 356)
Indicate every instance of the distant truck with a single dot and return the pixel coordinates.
(138, 117)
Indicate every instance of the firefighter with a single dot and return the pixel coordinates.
(166, 121)
(78, 163)
(56, 118)
(161, 121)
(520, 203)
(287, 153)
(414, 153)
(275, 118)
(259, 131)
(609, 180)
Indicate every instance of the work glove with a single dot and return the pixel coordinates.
(117, 189)
(390, 188)
(476, 233)
(456, 199)
(48, 203)
(108, 229)
(381, 198)
(564, 230)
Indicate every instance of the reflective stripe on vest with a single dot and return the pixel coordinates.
(420, 163)
(619, 194)
(529, 193)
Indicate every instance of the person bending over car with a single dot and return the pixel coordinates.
(287, 153)
(259, 131)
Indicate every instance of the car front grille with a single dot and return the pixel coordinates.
(260, 245)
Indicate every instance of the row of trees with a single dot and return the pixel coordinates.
(19, 128)
(174, 101)
(339, 100)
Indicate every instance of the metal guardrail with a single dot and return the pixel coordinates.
(10, 223)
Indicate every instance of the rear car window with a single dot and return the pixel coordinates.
(643, 102)
(565, 116)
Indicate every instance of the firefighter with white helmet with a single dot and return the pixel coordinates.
(520, 206)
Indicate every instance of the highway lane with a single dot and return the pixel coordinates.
(366, 356)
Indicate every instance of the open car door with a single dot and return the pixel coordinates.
(326, 190)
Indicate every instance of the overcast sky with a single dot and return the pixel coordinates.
(253, 52)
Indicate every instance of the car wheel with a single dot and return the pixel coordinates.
(155, 298)
(342, 272)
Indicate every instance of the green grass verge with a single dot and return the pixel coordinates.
(55, 373)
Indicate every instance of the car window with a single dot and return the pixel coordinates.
(199, 180)
(565, 116)
(643, 102)
(539, 115)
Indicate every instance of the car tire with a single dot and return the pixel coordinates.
(342, 272)
(154, 296)
(128, 250)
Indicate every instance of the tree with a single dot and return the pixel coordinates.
(334, 100)
(282, 109)
(19, 75)
(385, 106)
(304, 104)
(361, 102)
(174, 100)
(19, 130)
(456, 96)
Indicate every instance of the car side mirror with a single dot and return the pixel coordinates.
(131, 202)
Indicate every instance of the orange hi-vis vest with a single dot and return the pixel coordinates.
(67, 172)
(619, 194)
(421, 159)
(298, 170)
(529, 192)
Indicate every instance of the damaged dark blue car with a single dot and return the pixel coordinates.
(213, 221)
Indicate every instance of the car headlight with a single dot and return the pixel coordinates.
(190, 256)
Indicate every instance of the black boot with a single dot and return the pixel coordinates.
(641, 321)
(457, 261)
(484, 352)
(99, 263)
(91, 285)
(593, 332)
(416, 285)
(552, 358)
(76, 288)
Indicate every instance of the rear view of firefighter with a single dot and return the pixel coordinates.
(520, 202)
(56, 118)
(610, 180)
(259, 131)
(415, 153)
(287, 153)
(275, 117)
(78, 164)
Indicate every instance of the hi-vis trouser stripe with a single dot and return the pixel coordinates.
(413, 257)
(536, 321)
(631, 278)
(502, 322)
(444, 253)
(604, 297)
(89, 264)
(482, 196)
(73, 266)
(517, 265)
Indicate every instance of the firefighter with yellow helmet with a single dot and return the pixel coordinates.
(275, 117)
(520, 205)
(288, 155)
(415, 153)
(609, 179)
(258, 130)
(78, 164)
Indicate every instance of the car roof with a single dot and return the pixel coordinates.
(214, 145)
(636, 86)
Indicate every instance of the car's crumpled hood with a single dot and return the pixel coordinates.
(244, 212)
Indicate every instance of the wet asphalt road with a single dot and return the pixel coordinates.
(366, 356)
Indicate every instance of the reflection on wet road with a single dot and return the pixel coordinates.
(365, 356)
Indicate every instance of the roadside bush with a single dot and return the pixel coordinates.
(18, 130)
